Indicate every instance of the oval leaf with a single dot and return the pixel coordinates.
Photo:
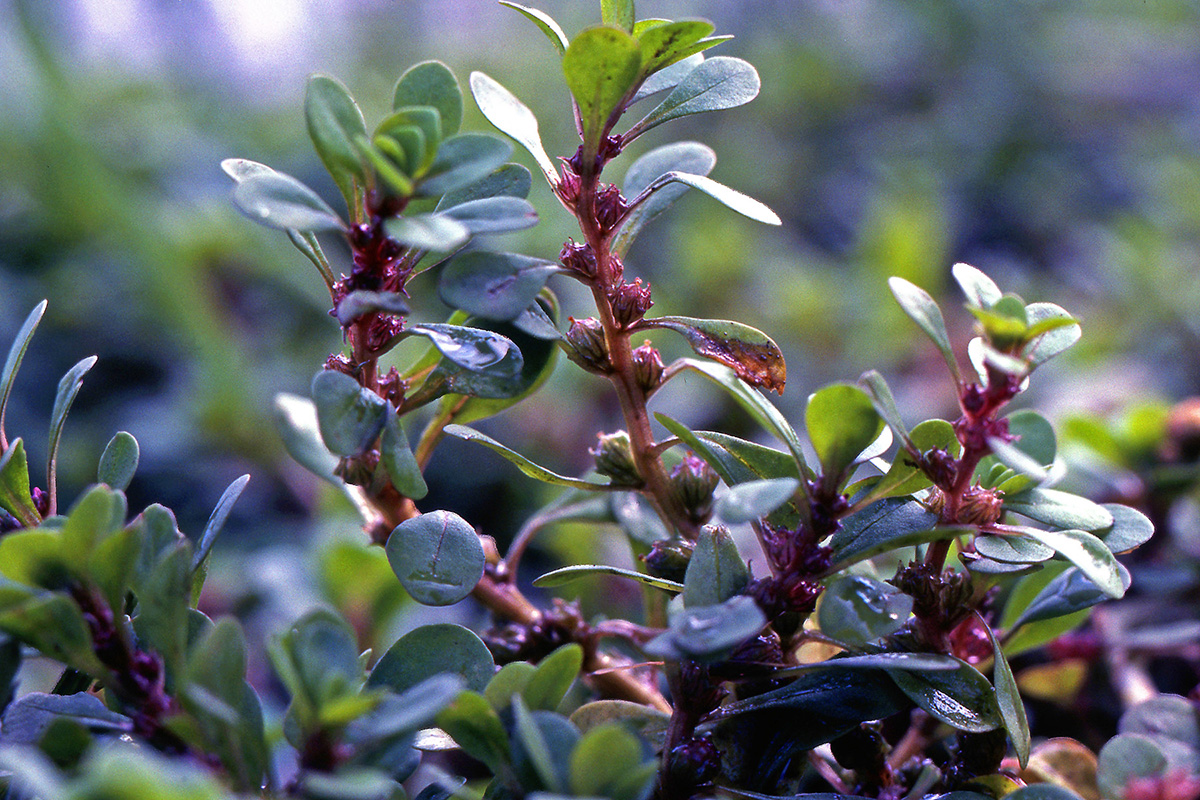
(917, 303)
(731, 198)
(856, 609)
(496, 286)
(1060, 509)
(399, 461)
(716, 84)
(362, 302)
(471, 348)
(709, 633)
(962, 699)
(431, 83)
(841, 422)
(119, 461)
(428, 232)
(690, 157)
(601, 65)
(437, 557)
(280, 201)
(334, 121)
(715, 572)
(349, 416)
(493, 214)
(747, 351)
(752, 500)
(463, 159)
(433, 650)
(1087, 553)
(511, 116)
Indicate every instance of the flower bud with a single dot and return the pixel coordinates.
(669, 559)
(647, 368)
(610, 207)
(578, 258)
(613, 454)
(980, 506)
(630, 301)
(695, 762)
(588, 347)
(693, 482)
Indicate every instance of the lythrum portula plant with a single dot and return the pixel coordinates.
(897, 567)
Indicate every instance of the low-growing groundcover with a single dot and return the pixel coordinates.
(863, 650)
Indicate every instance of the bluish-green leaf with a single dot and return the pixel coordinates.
(216, 520)
(428, 232)
(841, 422)
(962, 699)
(1053, 600)
(431, 83)
(1127, 758)
(882, 526)
(493, 285)
(334, 120)
(601, 65)
(690, 157)
(405, 713)
(502, 108)
(565, 575)
(52, 624)
(296, 420)
(749, 352)
(715, 572)
(1130, 529)
(437, 556)
(471, 348)
(542, 747)
(545, 22)
(856, 609)
(477, 729)
(1060, 509)
(917, 303)
(749, 501)
(118, 462)
(510, 180)
(463, 159)
(522, 463)
(731, 198)
(493, 215)
(1008, 699)
(15, 497)
(1012, 549)
(716, 84)
(602, 758)
(280, 201)
(669, 77)
(1051, 331)
(349, 416)
(397, 457)
(16, 354)
(981, 291)
(432, 650)
(707, 633)
(1087, 553)
(64, 397)
(27, 719)
(886, 661)
(876, 387)
(361, 302)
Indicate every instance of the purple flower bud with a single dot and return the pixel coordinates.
(613, 455)
(669, 558)
(588, 347)
(578, 258)
(610, 207)
(630, 301)
(693, 482)
(647, 368)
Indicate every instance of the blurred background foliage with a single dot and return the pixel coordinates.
(1055, 144)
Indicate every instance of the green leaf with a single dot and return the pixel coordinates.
(981, 291)
(602, 758)
(432, 650)
(1051, 331)
(15, 497)
(1012, 549)
(509, 682)
(462, 160)
(1086, 552)
(618, 13)
(886, 661)
(317, 659)
(545, 22)
(477, 729)
(744, 461)
(963, 699)
(548, 685)
(904, 477)
(92, 517)
(398, 459)
(361, 302)
(163, 591)
(565, 575)
(27, 720)
(502, 108)
(917, 303)
(1060, 509)
(731, 198)
(746, 502)
(753, 402)
(510, 180)
(428, 232)
(689, 157)
(112, 564)
(119, 461)
(842, 422)
(493, 215)
(296, 420)
(749, 352)
(646, 720)
(228, 710)
(670, 77)
(716, 84)
(431, 83)
(404, 142)
(877, 389)
(411, 710)
(493, 285)
(334, 121)
(216, 520)
(1168, 717)
(886, 525)
(350, 417)
(33, 557)
(856, 609)
(709, 633)
(64, 397)
(602, 66)
(1008, 699)
(715, 572)
(1058, 593)
(542, 747)
(16, 354)
(664, 45)
(1126, 758)
(52, 624)
(280, 201)
(1130, 529)
(471, 348)
(522, 463)
(410, 137)
(437, 557)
